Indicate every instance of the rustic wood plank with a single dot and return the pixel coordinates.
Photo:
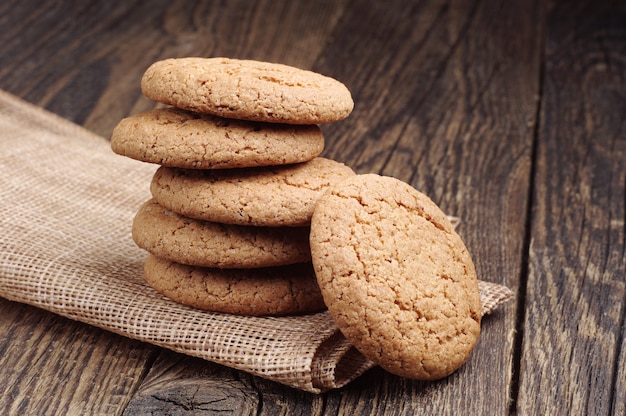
(177, 383)
(52, 365)
(619, 389)
(185, 384)
(417, 72)
(446, 99)
(449, 104)
(392, 90)
(84, 60)
(443, 108)
(574, 328)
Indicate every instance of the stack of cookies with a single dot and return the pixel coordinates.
(247, 218)
(238, 144)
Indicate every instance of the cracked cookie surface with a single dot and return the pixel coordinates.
(202, 243)
(179, 138)
(267, 196)
(247, 90)
(396, 277)
(284, 290)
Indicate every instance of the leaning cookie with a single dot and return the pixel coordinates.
(179, 138)
(201, 243)
(247, 90)
(285, 290)
(269, 196)
(396, 277)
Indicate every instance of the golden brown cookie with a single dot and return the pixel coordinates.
(202, 243)
(247, 90)
(284, 290)
(175, 137)
(268, 196)
(395, 276)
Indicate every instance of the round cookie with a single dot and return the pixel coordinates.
(396, 278)
(284, 290)
(247, 90)
(179, 138)
(201, 243)
(269, 196)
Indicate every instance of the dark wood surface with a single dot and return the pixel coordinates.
(509, 114)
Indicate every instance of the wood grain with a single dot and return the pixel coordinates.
(51, 365)
(574, 327)
(412, 98)
(177, 383)
(95, 52)
(454, 114)
(509, 114)
(416, 72)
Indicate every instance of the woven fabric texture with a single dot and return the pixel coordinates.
(67, 206)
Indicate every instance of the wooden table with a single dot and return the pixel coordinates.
(509, 114)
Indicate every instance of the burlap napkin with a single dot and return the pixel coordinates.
(67, 204)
